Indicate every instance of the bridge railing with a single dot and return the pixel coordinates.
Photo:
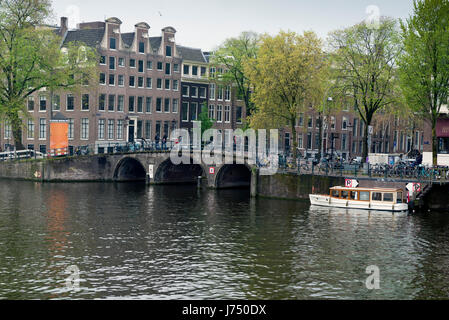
(20, 155)
(412, 173)
(140, 145)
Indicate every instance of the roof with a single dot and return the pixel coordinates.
(155, 42)
(128, 38)
(91, 37)
(191, 54)
(207, 55)
(368, 189)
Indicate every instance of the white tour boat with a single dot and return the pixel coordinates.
(383, 199)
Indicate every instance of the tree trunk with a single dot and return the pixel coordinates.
(294, 142)
(369, 118)
(365, 143)
(16, 126)
(434, 144)
(320, 144)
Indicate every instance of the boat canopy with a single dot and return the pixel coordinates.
(368, 189)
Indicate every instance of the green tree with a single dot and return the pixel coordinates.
(232, 55)
(31, 59)
(287, 76)
(203, 117)
(365, 69)
(424, 66)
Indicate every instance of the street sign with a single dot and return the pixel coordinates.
(370, 129)
(351, 183)
(414, 187)
(212, 170)
(417, 187)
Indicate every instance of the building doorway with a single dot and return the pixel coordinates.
(131, 130)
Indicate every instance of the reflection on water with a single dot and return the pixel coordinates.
(131, 241)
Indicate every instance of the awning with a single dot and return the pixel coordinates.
(443, 128)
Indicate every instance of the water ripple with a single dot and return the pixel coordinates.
(134, 242)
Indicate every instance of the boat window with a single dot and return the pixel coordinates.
(377, 196)
(344, 194)
(335, 193)
(388, 197)
(399, 197)
(354, 195)
(364, 195)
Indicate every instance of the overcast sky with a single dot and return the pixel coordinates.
(206, 23)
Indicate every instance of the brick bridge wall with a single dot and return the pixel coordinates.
(104, 168)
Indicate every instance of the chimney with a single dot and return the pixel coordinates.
(64, 26)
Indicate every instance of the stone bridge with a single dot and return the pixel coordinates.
(129, 167)
(138, 167)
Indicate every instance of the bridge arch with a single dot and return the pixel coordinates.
(129, 169)
(168, 173)
(233, 176)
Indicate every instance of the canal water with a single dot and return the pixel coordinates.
(175, 242)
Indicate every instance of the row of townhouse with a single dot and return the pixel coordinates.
(344, 133)
(149, 86)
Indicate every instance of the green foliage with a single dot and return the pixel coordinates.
(364, 68)
(231, 56)
(288, 76)
(31, 59)
(424, 66)
(203, 117)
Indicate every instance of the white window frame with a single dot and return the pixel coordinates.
(175, 110)
(219, 112)
(211, 110)
(30, 133)
(123, 80)
(188, 92)
(228, 93)
(227, 114)
(40, 124)
(212, 88)
(81, 129)
(188, 111)
(101, 128)
(109, 128)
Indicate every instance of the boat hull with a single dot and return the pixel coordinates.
(327, 201)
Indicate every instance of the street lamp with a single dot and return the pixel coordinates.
(334, 136)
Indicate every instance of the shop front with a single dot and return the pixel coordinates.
(442, 133)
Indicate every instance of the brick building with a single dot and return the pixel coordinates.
(194, 85)
(442, 133)
(138, 95)
(149, 85)
(344, 133)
